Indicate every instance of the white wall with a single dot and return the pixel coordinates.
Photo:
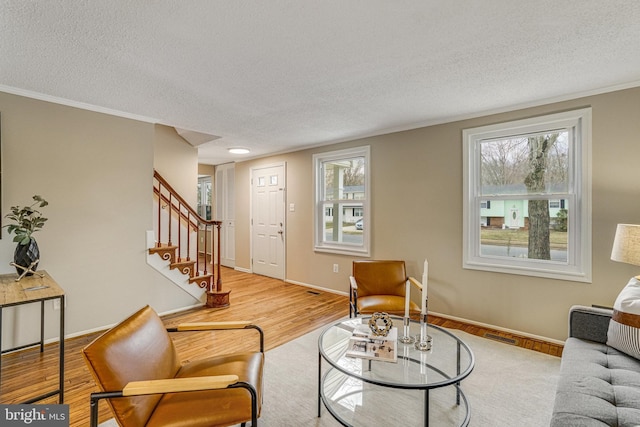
(96, 172)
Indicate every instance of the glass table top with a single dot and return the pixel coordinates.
(447, 362)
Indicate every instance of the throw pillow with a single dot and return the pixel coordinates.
(624, 326)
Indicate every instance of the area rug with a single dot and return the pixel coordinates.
(509, 386)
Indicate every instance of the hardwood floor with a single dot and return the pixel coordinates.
(284, 311)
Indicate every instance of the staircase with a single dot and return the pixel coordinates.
(182, 248)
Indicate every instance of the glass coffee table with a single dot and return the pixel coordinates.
(364, 392)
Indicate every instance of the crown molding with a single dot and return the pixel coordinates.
(75, 104)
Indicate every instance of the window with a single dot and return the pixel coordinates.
(204, 197)
(342, 201)
(537, 174)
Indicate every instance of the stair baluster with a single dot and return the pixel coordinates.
(179, 254)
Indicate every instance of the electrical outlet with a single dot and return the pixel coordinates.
(335, 268)
(56, 304)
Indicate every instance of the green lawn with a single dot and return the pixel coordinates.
(491, 236)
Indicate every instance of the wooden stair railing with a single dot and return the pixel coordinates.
(175, 231)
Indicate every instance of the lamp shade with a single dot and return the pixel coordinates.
(626, 244)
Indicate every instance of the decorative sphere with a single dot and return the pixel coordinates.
(380, 324)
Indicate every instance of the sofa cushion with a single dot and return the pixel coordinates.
(624, 327)
(598, 386)
(589, 323)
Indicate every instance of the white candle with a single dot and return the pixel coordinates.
(425, 279)
(407, 297)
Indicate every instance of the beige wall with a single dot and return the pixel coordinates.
(417, 214)
(177, 161)
(209, 170)
(96, 172)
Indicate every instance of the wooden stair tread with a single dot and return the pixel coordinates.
(166, 252)
(203, 280)
(179, 264)
(200, 277)
(164, 247)
(185, 267)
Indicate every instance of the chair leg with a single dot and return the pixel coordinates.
(93, 422)
(254, 403)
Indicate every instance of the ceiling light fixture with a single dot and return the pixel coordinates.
(238, 150)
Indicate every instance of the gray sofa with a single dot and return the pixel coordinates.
(598, 385)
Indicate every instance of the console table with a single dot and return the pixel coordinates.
(39, 287)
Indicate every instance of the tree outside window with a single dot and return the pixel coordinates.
(516, 168)
(527, 196)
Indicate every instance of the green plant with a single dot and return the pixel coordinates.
(561, 220)
(27, 220)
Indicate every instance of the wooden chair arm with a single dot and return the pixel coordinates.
(176, 385)
(415, 283)
(219, 326)
(354, 284)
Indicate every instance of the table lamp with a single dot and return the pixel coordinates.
(626, 245)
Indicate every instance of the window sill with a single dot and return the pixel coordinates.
(342, 251)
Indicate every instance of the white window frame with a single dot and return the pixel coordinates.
(578, 265)
(339, 247)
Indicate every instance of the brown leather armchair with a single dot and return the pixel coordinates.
(137, 369)
(380, 286)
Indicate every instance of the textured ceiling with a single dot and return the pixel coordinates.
(278, 75)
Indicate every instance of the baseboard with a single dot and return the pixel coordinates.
(320, 288)
(497, 328)
(447, 316)
(243, 270)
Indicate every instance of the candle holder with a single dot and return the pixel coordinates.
(423, 341)
(406, 337)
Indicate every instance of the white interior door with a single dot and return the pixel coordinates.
(267, 219)
(225, 212)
